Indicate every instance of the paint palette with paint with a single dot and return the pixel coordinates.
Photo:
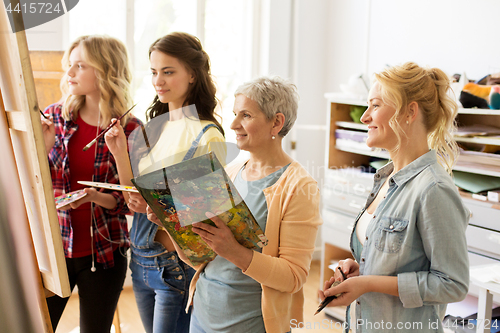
(67, 198)
(113, 187)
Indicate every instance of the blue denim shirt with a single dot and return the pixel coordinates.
(418, 235)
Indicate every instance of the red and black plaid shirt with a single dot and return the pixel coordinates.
(111, 223)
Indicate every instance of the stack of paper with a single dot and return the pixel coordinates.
(486, 273)
(477, 130)
(468, 156)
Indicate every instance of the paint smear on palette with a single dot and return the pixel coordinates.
(68, 198)
(114, 187)
(182, 193)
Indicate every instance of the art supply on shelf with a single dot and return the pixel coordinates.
(475, 183)
(494, 196)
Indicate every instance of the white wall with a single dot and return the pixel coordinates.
(346, 41)
(50, 36)
(275, 37)
(292, 45)
(310, 57)
(455, 35)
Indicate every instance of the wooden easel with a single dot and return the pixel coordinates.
(21, 120)
(20, 117)
(25, 262)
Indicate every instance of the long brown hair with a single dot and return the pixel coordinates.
(188, 50)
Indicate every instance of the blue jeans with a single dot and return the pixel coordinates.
(161, 286)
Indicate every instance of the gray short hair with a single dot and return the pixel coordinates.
(273, 95)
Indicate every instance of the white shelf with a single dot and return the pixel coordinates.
(377, 153)
(484, 140)
(352, 125)
(479, 111)
(481, 169)
(340, 98)
(487, 203)
(477, 168)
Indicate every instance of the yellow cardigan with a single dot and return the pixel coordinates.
(282, 267)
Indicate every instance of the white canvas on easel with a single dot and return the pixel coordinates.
(23, 121)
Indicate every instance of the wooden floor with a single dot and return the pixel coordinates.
(131, 323)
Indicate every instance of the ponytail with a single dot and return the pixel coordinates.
(430, 88)
(441, 123)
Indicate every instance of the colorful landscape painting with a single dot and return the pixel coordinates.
(181, 194)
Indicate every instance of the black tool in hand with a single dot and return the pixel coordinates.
(43, 114)
(327, 300)
(107, 129)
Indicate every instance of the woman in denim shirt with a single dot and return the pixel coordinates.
(409, 241)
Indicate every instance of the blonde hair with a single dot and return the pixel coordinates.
(401, 85)
(108, 57)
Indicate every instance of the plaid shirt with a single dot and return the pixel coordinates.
(110, 223)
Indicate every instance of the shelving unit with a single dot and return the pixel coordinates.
(479, 112)
(373, 153)
(347, 186)
(480, 140)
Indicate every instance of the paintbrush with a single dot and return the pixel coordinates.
(43, 114)
(107, 129)
(327, 300)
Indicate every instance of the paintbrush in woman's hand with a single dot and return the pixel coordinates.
(43, 114)
(328, 299)
(107, 129)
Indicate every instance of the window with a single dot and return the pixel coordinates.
(226, 41)
(91, 17)
(152, 20)
(226, 30)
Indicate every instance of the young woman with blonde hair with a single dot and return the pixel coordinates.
(409, 241)
(96, 88)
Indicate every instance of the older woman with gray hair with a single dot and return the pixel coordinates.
(244, 290)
